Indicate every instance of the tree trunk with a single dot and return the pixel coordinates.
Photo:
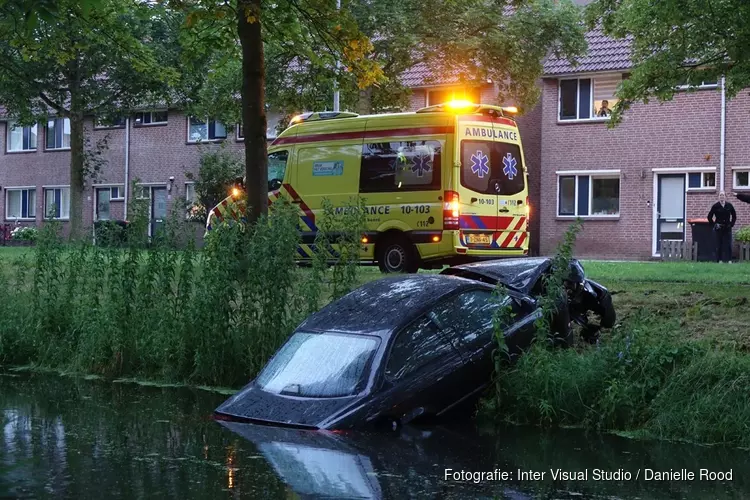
(364, 104)
(76, 168)
(253, 108)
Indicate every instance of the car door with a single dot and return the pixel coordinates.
(468, 319)
(418, 373)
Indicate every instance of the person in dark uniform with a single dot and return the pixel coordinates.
(722, 217)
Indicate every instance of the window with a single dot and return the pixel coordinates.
(742, 179)
(491, 167)
(103, 198)
(20, 203)
(588, 98)
(435, 97)
(276, 169)
(205, 130)
(320, 365)
(588, 195)
(190, 191)
(57, 203)
(416, 346)
(701, 180)
(118, 122)
(686, 83)
(21, 138)
(143, 192)
(467, 318)
(58, 133)
(400, 166)
(116, 193)
(240, 132)
(151, 118)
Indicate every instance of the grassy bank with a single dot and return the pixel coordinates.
(677, 366)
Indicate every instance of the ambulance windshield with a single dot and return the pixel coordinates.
(276, 169)
(490, 167)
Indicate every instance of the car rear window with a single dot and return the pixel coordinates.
(320, 365)
(491, 167)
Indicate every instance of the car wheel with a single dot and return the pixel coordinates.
(607, 314)
(397, 255)
(561, 330)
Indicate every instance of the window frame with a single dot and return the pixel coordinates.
(45, 189)
(578, 79)
(46, 132)
(703, 86)
(594, 174)
(21, 189)
(702, 187)
(100, 126)
(207, 121)
(735, 185)
(239, 133)
(151, 114)
(10, 126)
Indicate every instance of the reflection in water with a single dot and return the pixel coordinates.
(67, 438)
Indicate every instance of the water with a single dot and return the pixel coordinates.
(74, 438)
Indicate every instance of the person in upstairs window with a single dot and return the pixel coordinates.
(604, 110)
(722, 217)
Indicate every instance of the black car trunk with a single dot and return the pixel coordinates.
(254, 405)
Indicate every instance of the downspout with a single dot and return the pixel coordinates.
(127, 169)
(723, 130)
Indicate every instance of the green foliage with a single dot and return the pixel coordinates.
(554, 295)
(743, 235)
(218, 170)
(676, 42)
(212, 317)
(24, 233)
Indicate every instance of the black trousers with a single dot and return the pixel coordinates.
(723, 245)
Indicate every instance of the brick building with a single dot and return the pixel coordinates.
(633, 185)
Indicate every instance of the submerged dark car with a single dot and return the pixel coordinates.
(392, 351)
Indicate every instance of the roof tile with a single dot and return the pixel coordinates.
(604, 54)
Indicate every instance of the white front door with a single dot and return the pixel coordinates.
(670, 209)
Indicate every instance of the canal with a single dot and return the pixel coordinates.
(75, 438)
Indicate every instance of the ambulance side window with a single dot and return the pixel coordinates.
(276, 169)
(400, 166)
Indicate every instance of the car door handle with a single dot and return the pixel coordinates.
(503, 210)
(297, 201)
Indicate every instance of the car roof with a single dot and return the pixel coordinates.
(518, 274)
(381, 306)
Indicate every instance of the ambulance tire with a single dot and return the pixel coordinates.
(397, 255)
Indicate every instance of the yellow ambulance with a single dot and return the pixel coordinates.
(444, 184)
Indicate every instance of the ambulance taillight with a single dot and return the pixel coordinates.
(528, 210)
(451, 210)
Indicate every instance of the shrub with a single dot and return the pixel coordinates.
(24, 233)
(743, 235)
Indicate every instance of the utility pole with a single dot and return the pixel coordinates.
(338, 65)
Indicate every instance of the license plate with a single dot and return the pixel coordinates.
(480, 239)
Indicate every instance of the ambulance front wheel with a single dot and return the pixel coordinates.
(397, 255)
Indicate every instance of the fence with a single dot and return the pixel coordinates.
(744, 254)
(678, 250)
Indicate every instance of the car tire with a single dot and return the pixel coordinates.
(607, 314)
(561, 331)
(397, 255)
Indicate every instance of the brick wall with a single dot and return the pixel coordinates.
(683, 133)
(157, 153)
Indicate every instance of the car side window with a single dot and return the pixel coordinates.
(467, 318)
(417, 345)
